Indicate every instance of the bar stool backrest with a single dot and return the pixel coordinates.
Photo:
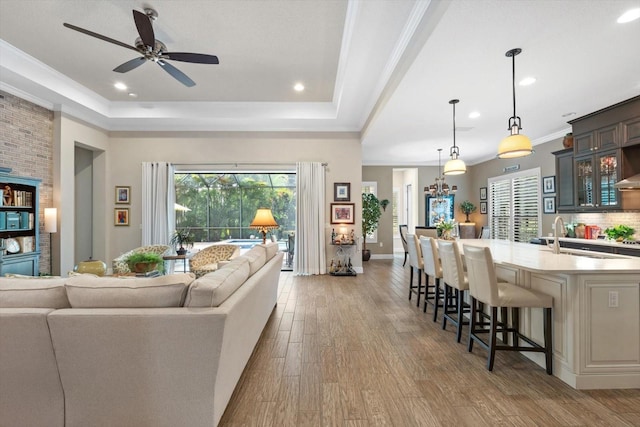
(415, 255)
(431, 256)
(452, 266)
(483, 284)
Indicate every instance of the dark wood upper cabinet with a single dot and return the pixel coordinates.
(631, 132)
(564, 180)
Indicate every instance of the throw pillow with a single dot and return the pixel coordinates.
(256, 256)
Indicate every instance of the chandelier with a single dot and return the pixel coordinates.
(440, 189)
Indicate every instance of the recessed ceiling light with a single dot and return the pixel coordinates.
(629, 15)
(133, 95)
(569, 114)
(474, 115)
(527, 81)
(298, 87)
(120, 86)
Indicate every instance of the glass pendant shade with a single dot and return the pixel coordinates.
(454, 167)
(513, 146)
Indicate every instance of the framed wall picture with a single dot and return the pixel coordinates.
(483, 193)
(123, 195)
(342, 192)
(121, 216)
(483, 208)
(549, 205)
(437, 211)
(342, 213)
(549, 184)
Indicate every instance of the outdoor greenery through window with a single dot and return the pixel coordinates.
(220, 206)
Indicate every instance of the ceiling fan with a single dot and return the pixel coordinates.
(152, 49)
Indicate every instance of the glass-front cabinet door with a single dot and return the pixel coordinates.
(607, 176)
(584, 182)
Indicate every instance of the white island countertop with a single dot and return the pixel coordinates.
(539, 258)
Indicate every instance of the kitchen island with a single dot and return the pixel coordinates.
(596, 310)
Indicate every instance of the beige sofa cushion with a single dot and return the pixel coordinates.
(256, 256)
(271, 249)
(214, 288)
(132, 292)
(33, 293)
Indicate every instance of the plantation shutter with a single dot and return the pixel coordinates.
(500, 201)
(525, 208)
(515, 206)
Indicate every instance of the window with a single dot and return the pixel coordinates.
(514, 206)
(218, 206)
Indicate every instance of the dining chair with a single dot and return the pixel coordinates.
(403, 237)
(455, 279)
(416, 263)
(432, 268)
(484, 287)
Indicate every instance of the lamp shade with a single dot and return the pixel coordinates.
(513, 146)
(50, 220)
(263, 222)
(454, 167)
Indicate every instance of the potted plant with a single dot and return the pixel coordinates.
(143, 262)
(370, 216)
(467, 208)
(182, 240)
(444, 229)
(619, 232)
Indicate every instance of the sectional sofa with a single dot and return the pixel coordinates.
(164, 351)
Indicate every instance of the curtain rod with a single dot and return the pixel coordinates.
(239, 164)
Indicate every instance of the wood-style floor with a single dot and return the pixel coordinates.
(353, 351)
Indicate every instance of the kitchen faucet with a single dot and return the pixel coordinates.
(556, 240)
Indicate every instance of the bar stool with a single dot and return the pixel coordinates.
(454, 278)
(415, 262)
(484, 287)
(432, 268)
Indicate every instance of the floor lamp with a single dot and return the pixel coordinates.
(50, 226)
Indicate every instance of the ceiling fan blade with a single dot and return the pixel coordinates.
(198, 58)
(99, 36)
(130, 65)
(145, 29)
(177, 74)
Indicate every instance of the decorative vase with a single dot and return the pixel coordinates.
(567, 142)
(181, 251)
(366, 255)
(92, 266)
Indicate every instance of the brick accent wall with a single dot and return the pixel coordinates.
(26, 146)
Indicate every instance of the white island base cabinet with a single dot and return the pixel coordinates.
(596, 326)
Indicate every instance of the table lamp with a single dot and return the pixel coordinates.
(263, 222)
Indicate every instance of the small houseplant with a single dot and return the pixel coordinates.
(144, 262)
(370, 217)
(182, 240)
(467, 208)
(619, 232)
(444, 229)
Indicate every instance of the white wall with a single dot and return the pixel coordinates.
(341, 151)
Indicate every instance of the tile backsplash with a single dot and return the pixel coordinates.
(606, 220)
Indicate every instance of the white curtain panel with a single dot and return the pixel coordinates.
(309, 252)
(158, 203)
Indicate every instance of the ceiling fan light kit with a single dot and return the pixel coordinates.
(152, 49)
(455, 166)
(516, 144)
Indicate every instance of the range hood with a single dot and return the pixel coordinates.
(631, 183)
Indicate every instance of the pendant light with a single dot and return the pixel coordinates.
(516, 144)
(455, 166)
